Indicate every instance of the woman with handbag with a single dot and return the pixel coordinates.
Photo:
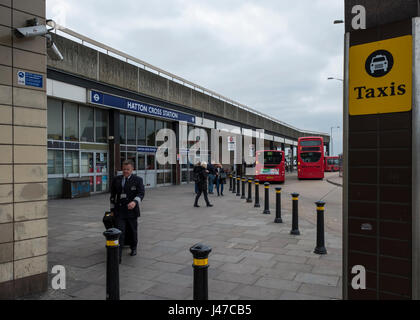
(221, 177)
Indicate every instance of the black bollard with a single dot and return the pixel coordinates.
(278, 206)
(238, 186)
(320, 234)
(295, 216)
(267, 198)
(243, 188)
(112, 264)
(230, 182)
(257, 194)
(200, 253)
(234, 185)
(249, 198)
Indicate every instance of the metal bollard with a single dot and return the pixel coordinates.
(278, 206)
(320, 234)
(257, 194)
(230, 182)
(112, 264)
(200, 254)
(295, 215)
(238, 186)
(267, 198)
(234, 184)
(249, 198)
(243, 188)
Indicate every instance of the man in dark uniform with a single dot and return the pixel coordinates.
(127, 192)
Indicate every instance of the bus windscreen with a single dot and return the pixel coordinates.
(310, 143)
(271, 157)
(310, 157)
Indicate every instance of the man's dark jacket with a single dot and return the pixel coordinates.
(133, 190)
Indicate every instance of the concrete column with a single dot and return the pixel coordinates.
(23, 155)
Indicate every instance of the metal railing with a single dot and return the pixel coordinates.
(65, 32)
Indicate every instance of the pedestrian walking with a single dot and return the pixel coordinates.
(202, 185)
(196, 170)
(127, 192)
(221, 177)
(211, 177)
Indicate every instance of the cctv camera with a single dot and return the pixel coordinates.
(52, 49)
(32, 31)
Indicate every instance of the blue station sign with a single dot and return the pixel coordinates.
(109, 100)
(147, 149)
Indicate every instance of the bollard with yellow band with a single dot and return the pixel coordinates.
(278, 206)
(267, 198)
(238, 186)
(230, 182)
(234, 184)
(257, 194)
(295, 215)
(200, 254)
(243, 188)
(112, 264)
(249, 198)
(320, 234)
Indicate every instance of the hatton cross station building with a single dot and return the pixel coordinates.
(69, 119)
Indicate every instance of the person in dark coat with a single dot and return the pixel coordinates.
(202, 185)
(127, 192)
(220, 179)
(211, 177)
(196, 170)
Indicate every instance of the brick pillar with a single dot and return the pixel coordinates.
(23, 155)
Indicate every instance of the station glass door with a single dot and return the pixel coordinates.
(94, 164)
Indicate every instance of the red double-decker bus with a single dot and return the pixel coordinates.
(331, 164)
(311, 158)
(273, 168)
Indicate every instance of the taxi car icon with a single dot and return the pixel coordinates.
(379, 62)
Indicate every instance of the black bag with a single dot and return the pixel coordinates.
(108, 220)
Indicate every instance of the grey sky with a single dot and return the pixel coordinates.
(272, 55)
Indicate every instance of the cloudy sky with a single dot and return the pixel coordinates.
(274, 56)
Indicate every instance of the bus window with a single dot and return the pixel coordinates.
(270, 157)
(310, 143)
(309, 157)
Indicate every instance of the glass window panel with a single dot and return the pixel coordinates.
(184, 176)
(86, 124)
(71, 162)
(150, 162)
(150, 132)
(55, 161)
(72, 122)
(101, 125)
(141, 131)
(132, 156)
(159, 126)
(87, 162)
(55, 188)
(102, 162)
(122, 129)
(123, 158)
(168, 177)
(160, 178)
(104, 183)
(55, 119)
(131, 130)
(141, 162)
(99, 184)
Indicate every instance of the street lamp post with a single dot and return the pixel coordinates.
(332, 143)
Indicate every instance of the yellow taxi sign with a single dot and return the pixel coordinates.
(381, 77)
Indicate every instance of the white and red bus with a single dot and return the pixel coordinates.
(311, 158)
(273, 168)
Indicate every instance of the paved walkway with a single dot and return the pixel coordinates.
(336, 179)
(252, 257)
